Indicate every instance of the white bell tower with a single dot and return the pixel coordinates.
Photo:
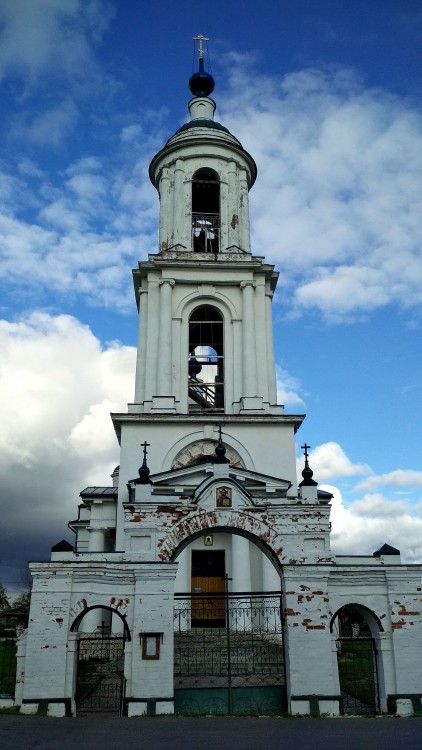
(205, 346)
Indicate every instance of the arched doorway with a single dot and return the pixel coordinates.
(355, 627)
(229, 651)
(100, 661)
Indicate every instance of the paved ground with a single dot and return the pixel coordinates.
(177, 733)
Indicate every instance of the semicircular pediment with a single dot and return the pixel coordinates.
(201, 451)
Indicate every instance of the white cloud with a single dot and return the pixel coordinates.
(396, 478)
(93, 228)
(329, 460)
(50, 127)
(366, 524)
(53, 38)
(336, 204)
(337, 201)
(376, 506)
(57, 389)
(288, 388)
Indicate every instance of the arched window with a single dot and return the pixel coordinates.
(206, 359)
(205, 211)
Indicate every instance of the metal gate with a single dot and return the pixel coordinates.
(7, 666)
(358, 675)
(99, 684)
(229, 654)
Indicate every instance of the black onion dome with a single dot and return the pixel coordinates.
(307, 474)
(220, 453)
(143, 474)
(201, 84)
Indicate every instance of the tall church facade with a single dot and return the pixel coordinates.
(203, 579)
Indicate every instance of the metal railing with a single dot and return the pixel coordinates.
(205, 232)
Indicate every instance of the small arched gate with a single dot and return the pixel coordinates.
(356, 659)
(100, 665)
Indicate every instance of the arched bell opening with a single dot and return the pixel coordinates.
(206, 359)
(357, 630)
(205, 211)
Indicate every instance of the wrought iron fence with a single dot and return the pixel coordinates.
(229, 653)
(237, 639)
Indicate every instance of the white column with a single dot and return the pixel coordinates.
(236, 373)
(186, 236)
(224, 215)
(270, 577)
(165, 210)
(178, 210)
(248, 339)
(240, 608)
(142, 345)
(272, 380)
(244, 234)
(261, 339)
(152, 341)
(233, 206)
(182, 580)
(96, 540)
(229, 365)
(241, 564)
(164, 344)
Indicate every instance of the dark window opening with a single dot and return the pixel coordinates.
(205, 211)
(206, 359)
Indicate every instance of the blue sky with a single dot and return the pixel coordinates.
(326, 96)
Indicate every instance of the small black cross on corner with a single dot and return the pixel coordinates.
(306, 448)
(145, 445)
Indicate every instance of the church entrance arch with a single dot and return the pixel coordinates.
(228, 633)
(100, 661)
(355, 627)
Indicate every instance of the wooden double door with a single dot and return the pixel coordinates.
(208, 589)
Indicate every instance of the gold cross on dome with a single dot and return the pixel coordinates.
(200, 39)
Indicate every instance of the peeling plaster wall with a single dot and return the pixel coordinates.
(62, 591)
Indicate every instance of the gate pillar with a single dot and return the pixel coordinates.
(386, 671)
(150, 686)
(45, 685)
(311, 678)
(71, 669)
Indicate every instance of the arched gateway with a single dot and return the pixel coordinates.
(228, 642)
(228, 620)
(219, 558)
(100, 660)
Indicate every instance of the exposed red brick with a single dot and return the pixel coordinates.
(315, 627)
